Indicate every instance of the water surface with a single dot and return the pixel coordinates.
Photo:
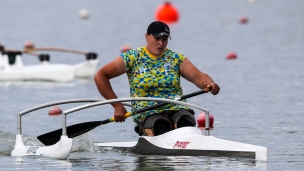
(261, 100)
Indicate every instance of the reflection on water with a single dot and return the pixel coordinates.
(189, 162)
(41, 163)
(104, 161)
(120, 162)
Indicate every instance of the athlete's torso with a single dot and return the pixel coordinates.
(151, 76)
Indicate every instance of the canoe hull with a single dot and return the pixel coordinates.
(46, 72)
(189, 141)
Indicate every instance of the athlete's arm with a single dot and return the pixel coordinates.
(102, 81)
(200, 79)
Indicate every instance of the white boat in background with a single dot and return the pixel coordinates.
(87, 68)
(186, 141)
(13, 69)
(82, 70)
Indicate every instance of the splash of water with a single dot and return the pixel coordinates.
(84, 142)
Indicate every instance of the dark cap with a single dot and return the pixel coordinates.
(158, 28)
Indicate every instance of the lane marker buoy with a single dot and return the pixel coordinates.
(29, 45)
(167, 13)
(243, 20)
(125, 48)
(231, 55)
(55, 110)
(201, 120)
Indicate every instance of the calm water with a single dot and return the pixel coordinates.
(261, 100)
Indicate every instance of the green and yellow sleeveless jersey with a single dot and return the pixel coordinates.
(151, 76)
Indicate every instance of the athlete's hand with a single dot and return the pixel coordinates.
(214, 89)
(119, 113)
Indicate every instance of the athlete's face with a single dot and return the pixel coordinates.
(156, 46)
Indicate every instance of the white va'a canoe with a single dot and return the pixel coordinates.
(188, 141)
(44, 71)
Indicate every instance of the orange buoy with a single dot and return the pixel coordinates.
(55, 110)
(29, 45)
(201, 120)
(167, 13)
(125, 48)
(231, 55)
(243, 20)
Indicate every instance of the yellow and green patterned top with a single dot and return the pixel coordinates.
(151, 76)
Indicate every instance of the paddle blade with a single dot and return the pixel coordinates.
(72, 131)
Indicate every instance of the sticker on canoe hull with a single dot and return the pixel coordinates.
(32, 150)
(181, 144)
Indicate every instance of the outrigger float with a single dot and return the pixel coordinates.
(186, 141)
(13, 69)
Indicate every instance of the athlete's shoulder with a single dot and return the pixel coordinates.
(132, 53)
(173, 54)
